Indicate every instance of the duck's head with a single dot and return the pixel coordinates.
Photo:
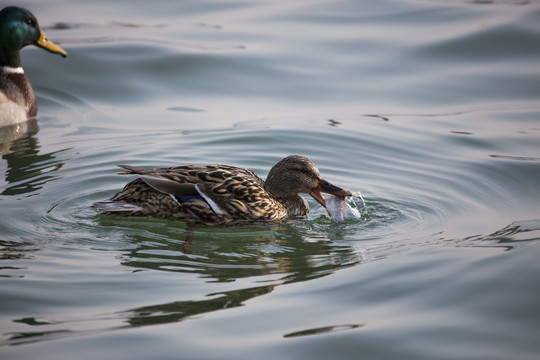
(297, 174)
(18, 28)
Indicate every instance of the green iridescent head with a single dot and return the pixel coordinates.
(19, 28)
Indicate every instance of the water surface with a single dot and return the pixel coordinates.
(429, 109)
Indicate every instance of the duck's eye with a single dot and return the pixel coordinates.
(31, 22)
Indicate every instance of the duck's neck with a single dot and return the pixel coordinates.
(8, 57)
(295, 205)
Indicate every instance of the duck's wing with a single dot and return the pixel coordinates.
(243, 199)
(169, 186)
(234, 194)
(194, 174)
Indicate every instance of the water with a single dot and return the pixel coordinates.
(429, 108)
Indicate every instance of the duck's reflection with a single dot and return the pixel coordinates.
(265, 257)
(280, 252)
(9, 134)
(284, 251)
(224, 254)
(27, 170)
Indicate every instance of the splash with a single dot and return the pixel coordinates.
(341, 209)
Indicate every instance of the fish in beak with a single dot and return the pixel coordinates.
(326, 187)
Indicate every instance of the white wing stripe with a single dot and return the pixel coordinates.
(210, 202)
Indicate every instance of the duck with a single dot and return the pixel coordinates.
(18, 28)
(219, 194)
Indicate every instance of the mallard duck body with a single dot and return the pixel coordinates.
(18, 28)
(17, 99)
(220, 194)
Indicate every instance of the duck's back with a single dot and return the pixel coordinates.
(214, 194)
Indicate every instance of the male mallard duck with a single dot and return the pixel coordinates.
(18, 28)
(221, 194)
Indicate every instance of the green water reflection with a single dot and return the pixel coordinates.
(28, 169)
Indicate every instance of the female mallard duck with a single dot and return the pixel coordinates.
(18, 28)
(221, 194)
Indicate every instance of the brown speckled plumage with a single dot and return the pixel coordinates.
(220, 194)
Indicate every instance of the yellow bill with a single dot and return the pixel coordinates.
(44, 43)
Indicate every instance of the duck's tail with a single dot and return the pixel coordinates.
(134, 170)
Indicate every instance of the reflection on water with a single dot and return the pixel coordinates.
(508, 237)
(27, 169)
(136, 317)
(275, 254)
(9, 134)
(322, 330)
(237, 252)
(15, 250)
(228, 256)
(180, 310)
(429, 108)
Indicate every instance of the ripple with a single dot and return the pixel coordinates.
(512, 236)
(445, 156)
(517, 158)
(322, 330)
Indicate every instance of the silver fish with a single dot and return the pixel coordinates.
(339, 210)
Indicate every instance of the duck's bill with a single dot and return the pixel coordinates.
(44, 43)
(328, 188)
